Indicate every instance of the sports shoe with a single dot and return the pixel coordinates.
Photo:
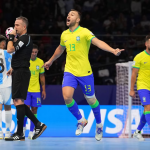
(99, 133)
(39, 129)
(30, 135)
(15, 137)
(1, 135)
(138, 135)
(80, 127)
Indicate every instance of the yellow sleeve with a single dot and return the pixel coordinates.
(136, 62)
(42, 70)
(62, 40)
(89, 35)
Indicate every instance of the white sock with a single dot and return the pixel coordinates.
(0, 120)
(8, 119)
(99, 125)
(81, 120)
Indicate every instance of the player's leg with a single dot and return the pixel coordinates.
(20, 82)
(144, 96)
(28, 103)
(7, 107)
(24, 123)
(8, 119)
(87, 86)
(68, 87)
(34, 111)
(35, 103)
(1, 132)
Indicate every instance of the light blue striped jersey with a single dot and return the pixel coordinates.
(5, 65)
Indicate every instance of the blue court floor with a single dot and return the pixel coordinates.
(76, 143)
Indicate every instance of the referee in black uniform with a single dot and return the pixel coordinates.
(21, 77)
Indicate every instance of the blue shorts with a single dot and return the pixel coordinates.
(33, 99)
(86, 83)
(144, 96)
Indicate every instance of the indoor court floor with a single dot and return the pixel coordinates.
(76, 143)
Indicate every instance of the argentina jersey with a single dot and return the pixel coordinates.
(5, 65)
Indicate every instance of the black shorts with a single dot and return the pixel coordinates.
(20, 82)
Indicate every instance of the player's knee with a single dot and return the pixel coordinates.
(90, 99)
(67, 98)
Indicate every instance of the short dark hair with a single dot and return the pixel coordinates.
(2, 38)
(79, 13)
(35, 46)
(24, 19)
(147, 38)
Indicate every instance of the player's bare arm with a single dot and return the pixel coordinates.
(42, 81)
(133, 80)
(102, 45)
(58, 52)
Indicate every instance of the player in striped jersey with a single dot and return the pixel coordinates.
(5, 87)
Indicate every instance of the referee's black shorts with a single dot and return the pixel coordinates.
(20, 82)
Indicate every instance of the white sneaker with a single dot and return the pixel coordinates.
(1, 135)
(80, 127)
(99, 133)
(138, 136)
(30, 135)
(7, 134)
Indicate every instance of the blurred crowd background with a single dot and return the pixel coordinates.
(120, 23)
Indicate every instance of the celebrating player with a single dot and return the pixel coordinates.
(141, 67)
(5, 87)
(76, 40)
(33, 96)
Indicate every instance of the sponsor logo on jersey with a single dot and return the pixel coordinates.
(91, 33)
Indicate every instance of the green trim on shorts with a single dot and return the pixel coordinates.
(147, 112)
(35, 115)
(95, 104)
(71, 104)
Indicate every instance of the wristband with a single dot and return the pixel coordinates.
(11, 37)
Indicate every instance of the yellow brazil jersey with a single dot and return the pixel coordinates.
(35, 69)
(77, 45)
(142, 62)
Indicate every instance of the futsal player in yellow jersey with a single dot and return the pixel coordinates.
(76, 40)
(141, 67)
(33, 99)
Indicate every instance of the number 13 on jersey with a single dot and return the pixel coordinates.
(72, 47)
